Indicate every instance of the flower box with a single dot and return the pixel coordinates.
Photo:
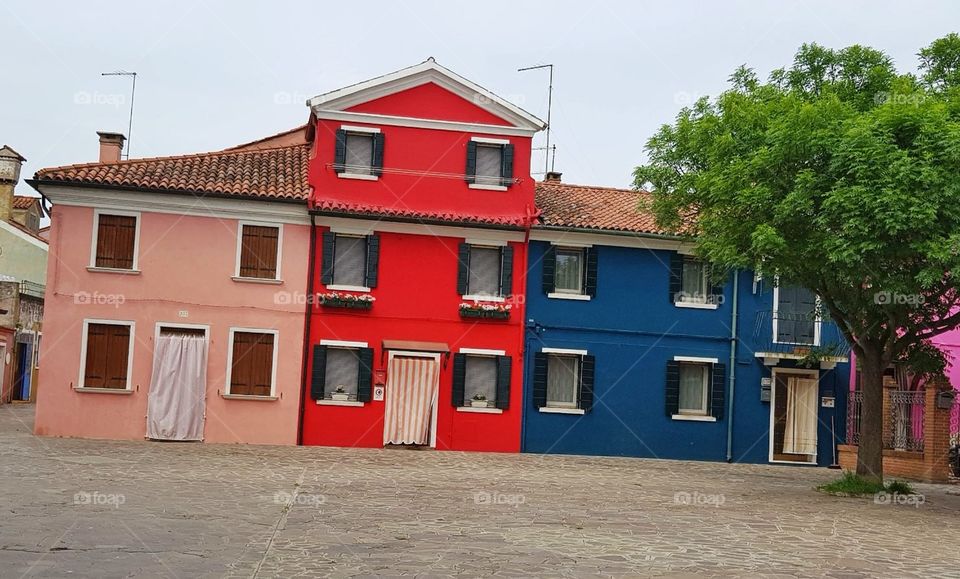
(480, 310)
(345, 300)
(479, 404)
(342, 397)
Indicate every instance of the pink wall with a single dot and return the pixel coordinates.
(186, 264)
(948, 342)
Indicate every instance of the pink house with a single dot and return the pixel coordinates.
(185, 271)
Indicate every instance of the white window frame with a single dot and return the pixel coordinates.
(696, 304)
(345, 345)
(570, 294)
(489, 141)
(564, 409)
(96, 233)
(355, 234)
(487, 353)
(83, 354)
(485, 244)
(273, 374)
(705, 416)
(359, 176)
(236, 269)
(817, 322)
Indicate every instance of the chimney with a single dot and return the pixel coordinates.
(111, 145)
(10, 163)
(553, 176)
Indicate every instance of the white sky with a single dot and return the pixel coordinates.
(212, 74)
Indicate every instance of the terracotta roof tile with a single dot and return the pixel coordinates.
(366, 210)
(24, 201)
(600, 208)
(278, 173)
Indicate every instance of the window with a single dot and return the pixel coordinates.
(259, 251)
(107, 359)
(485, 271)
(115, 241)
(691, 284)
(796, 317)
(341, 373)
(481, 379)
(569, 275)
(695, 388)
(252, 362)
(359, 152)
(694, 380)
(489, 163)
(563, 380)
(350, 261)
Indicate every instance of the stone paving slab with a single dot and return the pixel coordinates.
(86, 508)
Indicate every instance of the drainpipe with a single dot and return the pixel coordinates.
(308, 317)
(733, 363)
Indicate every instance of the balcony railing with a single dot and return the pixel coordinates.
(906, 420)
(798, 334)
(32, 289)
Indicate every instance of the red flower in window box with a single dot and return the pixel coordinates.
(482, 310)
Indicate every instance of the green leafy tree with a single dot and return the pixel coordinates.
(840, 175)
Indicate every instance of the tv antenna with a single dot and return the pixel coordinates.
(547, 161)
(133, 92)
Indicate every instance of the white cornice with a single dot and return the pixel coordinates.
(578, 238)
(254, 210)
(423, 73)
(423, 123)
(370, 226)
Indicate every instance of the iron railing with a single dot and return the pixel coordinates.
(32, 289)
(854, 409)
(906, 420)
(830, 341)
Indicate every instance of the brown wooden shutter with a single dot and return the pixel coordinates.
(116, 238)
(252, 369)
(258, 251)
(108, 349)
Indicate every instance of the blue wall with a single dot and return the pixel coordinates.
(633, 328)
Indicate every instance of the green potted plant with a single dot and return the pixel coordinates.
(479, 401)
(340, 394)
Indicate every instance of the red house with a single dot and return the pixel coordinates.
(422, 200)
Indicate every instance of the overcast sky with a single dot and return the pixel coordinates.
(215, 74)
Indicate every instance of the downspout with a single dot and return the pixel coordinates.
(733, 363)
(531, 216)
(308, 317)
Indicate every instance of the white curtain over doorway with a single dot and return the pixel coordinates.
(177, 399)
(411, 395)
(800, 436)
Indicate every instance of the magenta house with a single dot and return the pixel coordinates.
(177, 270)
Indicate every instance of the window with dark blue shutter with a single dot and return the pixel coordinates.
(365, 374)
(378, 154)
(718, 390)
(672, 393)
(459, 380)
(373, 260)
(318, 372)
(676, 277)
(463, 268)
(587, 370)
(504, 367)
(796, 315)
(506, 271)
(471, 172)
(489, 163)
(549, 269)
(590, 282)
(326, 257)
(340, 151)
(539, 379)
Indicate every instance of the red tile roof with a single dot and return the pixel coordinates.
(271, 174)
(597, 208)
(405, 213)
(24, 202)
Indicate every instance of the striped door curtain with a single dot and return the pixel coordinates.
(412, 385)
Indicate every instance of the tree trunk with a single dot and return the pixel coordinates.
(870, 452)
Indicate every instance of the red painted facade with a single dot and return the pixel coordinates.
(422, 209)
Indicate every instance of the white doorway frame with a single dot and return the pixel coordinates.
(813, 374)
(436, 396)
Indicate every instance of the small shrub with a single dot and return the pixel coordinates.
(851, 484)
(899, 487)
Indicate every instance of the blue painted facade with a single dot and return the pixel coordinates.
(632, 328)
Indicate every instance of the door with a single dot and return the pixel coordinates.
(178, 386)
(794, 421)
(24, 371)
(411, 400)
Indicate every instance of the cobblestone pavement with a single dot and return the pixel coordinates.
(111, 509)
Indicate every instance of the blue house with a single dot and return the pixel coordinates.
(634, 349)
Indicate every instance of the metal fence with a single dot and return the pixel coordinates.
(854, 407)
(906, 420)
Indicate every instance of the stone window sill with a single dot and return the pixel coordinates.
(479, 410)
(93, 269)
(239, 279)
(249, 397)
(354, 403)
(103, 390)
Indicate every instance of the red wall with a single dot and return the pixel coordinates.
(417, 299)
(429, 101)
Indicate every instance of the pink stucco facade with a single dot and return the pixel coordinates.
(948, 342)
(186, 267)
